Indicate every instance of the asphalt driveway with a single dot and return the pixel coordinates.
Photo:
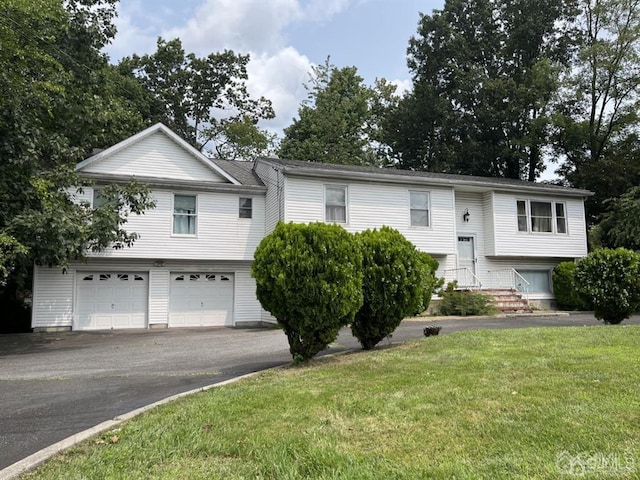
(53, 385)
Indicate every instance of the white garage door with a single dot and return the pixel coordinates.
(111, 300)
(201, 299)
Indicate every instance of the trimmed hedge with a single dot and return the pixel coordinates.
(610, 280)
(395, 279)
(310, 278)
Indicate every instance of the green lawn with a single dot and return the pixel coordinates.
(532, 403)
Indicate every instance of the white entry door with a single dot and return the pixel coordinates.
(109, 300)
(201, 299)
(466, 261)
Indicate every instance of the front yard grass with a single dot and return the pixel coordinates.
(526, 403)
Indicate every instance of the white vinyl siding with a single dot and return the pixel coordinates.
(221, 235)
(158, 296)
(488, 224)
(52, 297)
(54, 291)
(156, 156)
(274, 198)
(374, 205)
(246, 306)
(419, 209)
(335, 201)
(185, 214)
(509, 241)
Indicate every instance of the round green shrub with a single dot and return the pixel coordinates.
(610, 280)
(309, 277)
(565, 288)
(395, 275)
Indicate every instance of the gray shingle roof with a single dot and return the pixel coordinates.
(296, 166)
(241, 171)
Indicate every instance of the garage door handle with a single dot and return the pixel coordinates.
(113, 306)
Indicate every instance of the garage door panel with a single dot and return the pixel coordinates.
(201, 299)
(107, 300)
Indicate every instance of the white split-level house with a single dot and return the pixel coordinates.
(191, 263)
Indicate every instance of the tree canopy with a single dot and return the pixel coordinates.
(203, 99)
(484, 75)
(60, 99)
(338, 121)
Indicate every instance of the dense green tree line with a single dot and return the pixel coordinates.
(501, 88)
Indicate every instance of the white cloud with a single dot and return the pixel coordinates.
(276, 71)
(402, 85)
(321, 10)
(280, 78)
(243, 25)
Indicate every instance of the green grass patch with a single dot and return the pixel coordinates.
(530, 403)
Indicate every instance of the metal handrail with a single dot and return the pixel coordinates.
(454, 274)
(515, 281)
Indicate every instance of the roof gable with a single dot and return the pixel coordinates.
(156, 152)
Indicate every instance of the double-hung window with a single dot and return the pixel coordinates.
(98, 198)
(245, 209)
(184, 214)
(541, 217)
(335, 204)
(419, 209)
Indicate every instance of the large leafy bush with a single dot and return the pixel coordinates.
(610, 280)
(310, 278)
(395, 275)
(565, 288)
(464, 302)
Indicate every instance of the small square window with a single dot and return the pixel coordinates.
(245, 208)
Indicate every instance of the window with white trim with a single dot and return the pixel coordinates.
(335, 204)
(539, 280)
(184, 214)
(419, 209)
(541, 217)
(98, 198)
(245, 209)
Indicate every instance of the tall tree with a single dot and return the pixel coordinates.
(338, 121)
(597, 122)
(60, 99)
(203, 99)
(484, 76)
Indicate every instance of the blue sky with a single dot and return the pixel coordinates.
(284, 38)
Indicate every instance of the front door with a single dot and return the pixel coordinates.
(466, 262)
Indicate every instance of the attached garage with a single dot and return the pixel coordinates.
(110, 300)
(201, 299)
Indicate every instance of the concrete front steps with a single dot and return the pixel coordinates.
(508, 300)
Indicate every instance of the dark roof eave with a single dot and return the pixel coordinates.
(174, 184)
(423, 180)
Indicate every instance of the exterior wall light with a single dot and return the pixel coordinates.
(466, 215)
